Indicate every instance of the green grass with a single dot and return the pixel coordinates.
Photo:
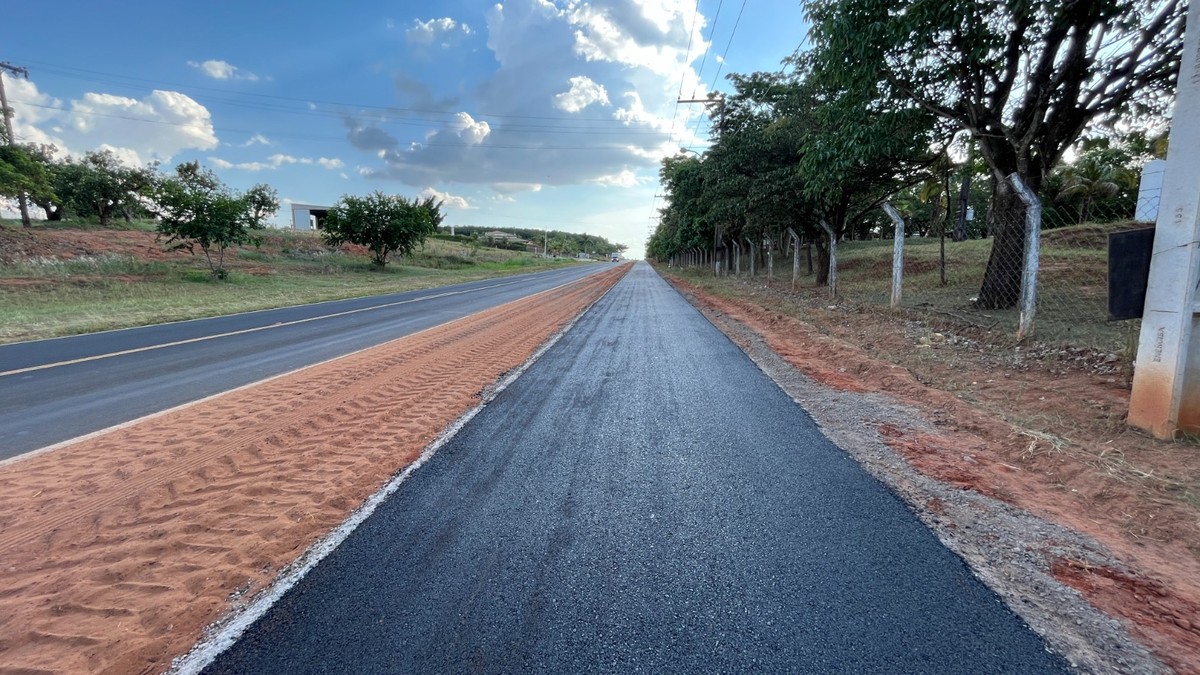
(48, 297)
(1073, 283)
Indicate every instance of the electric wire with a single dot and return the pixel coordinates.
(68, 71)
(724, 56)
(711, 33)
(326, 138)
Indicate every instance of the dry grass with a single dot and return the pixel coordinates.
(85, 280)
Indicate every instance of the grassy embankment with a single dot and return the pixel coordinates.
(59, 280)
(1073, 284)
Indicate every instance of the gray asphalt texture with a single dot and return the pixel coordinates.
(643, 499)
(43, 407)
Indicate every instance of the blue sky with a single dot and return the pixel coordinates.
(529, 113)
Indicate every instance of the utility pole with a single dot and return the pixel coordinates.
(1166, 379)
(8, 128)
(719, 99)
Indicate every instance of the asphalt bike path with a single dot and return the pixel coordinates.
(58, 389)
(642, 499)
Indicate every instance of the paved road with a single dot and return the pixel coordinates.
(42, 403)
(643, 499)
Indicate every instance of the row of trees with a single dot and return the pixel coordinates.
(96, 185)
(194, 210)
(556, 242)
(871, 110)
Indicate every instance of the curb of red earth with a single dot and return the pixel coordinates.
(1012, 551)
(224, 632)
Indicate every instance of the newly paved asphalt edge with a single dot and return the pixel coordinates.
(229, 629)
(44, 407)
(644, 498)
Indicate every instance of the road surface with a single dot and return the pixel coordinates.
(643, 499)
(55, 390)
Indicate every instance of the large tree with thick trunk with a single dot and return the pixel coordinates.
(1024, 77)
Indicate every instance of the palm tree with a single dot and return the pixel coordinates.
(1090, 178)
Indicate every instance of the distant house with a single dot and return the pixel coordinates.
(505, 239)
(309, 216)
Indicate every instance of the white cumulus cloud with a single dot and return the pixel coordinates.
(583, 92)
(427, 32)
(155, 127)
(467, 129)
(222, 70)
(625, 178)
(275, 161)
(256, 139)
(448, 200)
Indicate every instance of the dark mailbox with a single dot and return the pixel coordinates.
(1128, 272)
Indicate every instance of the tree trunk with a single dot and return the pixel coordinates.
(822, 262)
(1006, 220)
(105, 213)
(53, 212)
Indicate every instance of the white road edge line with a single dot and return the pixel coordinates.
(280, 324)
(222, 634)
(116, 427)
(273, 309)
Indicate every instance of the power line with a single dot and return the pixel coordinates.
(711, 34)
(724, 56)
(67, 71)
(315, 137)
(726, 52)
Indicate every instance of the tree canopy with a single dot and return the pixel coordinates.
(869, 109)
(383, 223)
(1024, 79)
(195, 209)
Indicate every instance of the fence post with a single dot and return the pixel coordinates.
(770, 262)
(832, 258)
(1033, 244)
(750, 249)
(737, 259)
(795, 256)
(897, 254)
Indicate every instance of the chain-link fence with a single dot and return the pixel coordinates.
(1057, 250)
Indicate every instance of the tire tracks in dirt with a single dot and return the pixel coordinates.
(119, 549)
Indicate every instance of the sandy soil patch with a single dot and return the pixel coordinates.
(118, 550)
(1113, 485)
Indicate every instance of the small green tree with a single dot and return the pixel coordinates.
(25, 173)
(384, 223)
(195, 209)
(100, 185)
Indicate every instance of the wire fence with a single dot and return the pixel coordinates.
(1042, 272)
(1061, 257)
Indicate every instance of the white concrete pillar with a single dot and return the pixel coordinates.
(1166, 383)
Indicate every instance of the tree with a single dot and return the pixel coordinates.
(100, 185)
(195, 209)
(1024, 78)
(385, 224)
(24, 170)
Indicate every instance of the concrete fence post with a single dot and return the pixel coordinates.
(795, 256)
(770, 263)
(1033, 243)
(832, 258)
(897, 254)
(737, 259)
(750, 250)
